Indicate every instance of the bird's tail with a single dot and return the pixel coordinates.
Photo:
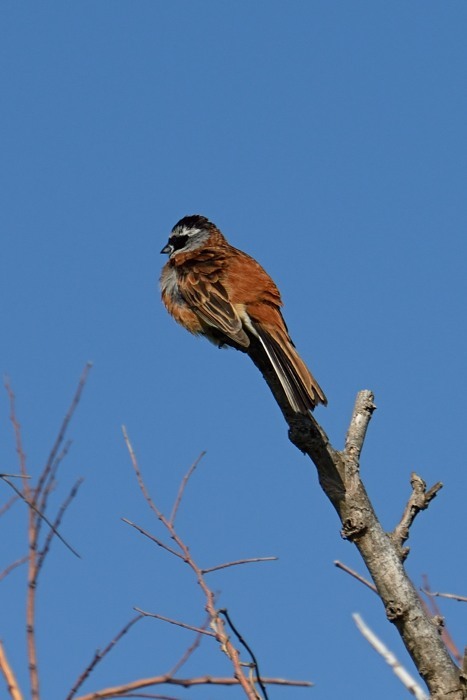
(301, 389)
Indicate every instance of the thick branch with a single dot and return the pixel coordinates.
(339, 477)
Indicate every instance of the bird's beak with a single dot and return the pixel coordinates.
(168, 249)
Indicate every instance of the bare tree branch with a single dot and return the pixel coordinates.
(450, 596)
(199, 630)
(419, 499)
(124, 690)
(353, 573)
(62, 431)
(153, 538)
(252, 560)
(54, 529)
(216, 622)
(191, 649)
(18, 438)
(99, 655)
(339, 476)
(14, 565)
(181, 490)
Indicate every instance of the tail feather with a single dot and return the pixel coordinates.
(301, 388)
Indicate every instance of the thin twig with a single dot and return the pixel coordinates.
(58, 520)
(197, 641)
(139, 476)
(33, 507)
(237, 563)
(153, 538)
(18, 438)
(199, 630)
(62, 431)
(403, 675)
(6, 506)
(9, 676)
(50, 483)
(183, 486)
(11, 567)
(353, 573)
(99, 655)
(450, 596)
(435, 612)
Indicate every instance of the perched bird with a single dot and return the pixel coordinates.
(215, 290)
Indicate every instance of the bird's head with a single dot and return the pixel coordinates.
(188, 234)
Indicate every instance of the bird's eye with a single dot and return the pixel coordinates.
(178, 242)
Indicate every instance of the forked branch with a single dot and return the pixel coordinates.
(339, 476)
(181, 550)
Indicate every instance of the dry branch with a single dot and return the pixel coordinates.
(123, 690)
(450, 596)
(36, 498)
(419, 500)
(353, 573)
(216, 622)
(252, 560)
(339, 476)
(99, 655)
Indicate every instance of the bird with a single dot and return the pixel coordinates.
(217, 291)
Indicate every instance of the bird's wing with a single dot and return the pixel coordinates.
(210, 302)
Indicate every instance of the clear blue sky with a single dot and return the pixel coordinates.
(327, 139)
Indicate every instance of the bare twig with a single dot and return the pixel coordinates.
(183, 486)
(6, 506)
(37, 497)
(199, 630)
(237, 563)
(353, 573)
(9, 676)
(14, 565)
(54, 529)
(62, 431)
(437, 615)
(139, 476)
(49, 484)
(41, 515)
(402, 674)
(153, 539)
(450, 596)
(191, 649)
(99, 655)
(18, 438)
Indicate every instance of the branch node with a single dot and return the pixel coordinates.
(394, 611)
(354, 526)
(438, 621)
